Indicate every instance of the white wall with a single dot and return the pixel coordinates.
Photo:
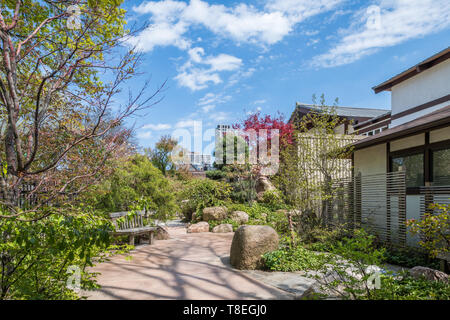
(440, 135)
(427, 86)
(408, 142)
(370, 161)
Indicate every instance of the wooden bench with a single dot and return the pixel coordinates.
(132, 226)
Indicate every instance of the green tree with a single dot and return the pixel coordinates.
(53, 103)
(434, 229)
(161, 155)
(309, 167)
(135, 182)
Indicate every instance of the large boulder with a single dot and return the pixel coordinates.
(263, 184)
(429, 274)
(214, 213)
(223, 228)
(162, 233)
(198, 227)
(240, 217)
(249, 244)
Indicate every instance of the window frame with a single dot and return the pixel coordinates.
(436, 148)
(405, 153)
(427, 150)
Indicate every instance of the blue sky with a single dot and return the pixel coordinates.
(225, 59)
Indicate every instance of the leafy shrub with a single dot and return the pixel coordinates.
(293, 259)
(349, 261)
(435, 228)
(36, 255)
(215, 174)
(136, 182)
(322, 239)
(203, 193)
(273, 199)
(256, 212)
(410, 258)
(214, 223)
(408, 288)
(243, 190)
(262, 214)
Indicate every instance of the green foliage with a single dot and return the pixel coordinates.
(317, 148)
(409, 257)
(216, 174)
(136, 183)
(274, 200)
(360, 248)
(348, 263)
(214, 223)
(36, 255)
(323, 239)
(242, 179)
(294, 259)
(161, 155)
(435, 229)
(237, 146)
(203, 193)
(262, 214)
(405, 287)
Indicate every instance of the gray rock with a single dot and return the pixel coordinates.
(240, 217)
(162, 233)
(214, 213)
(198, 227)
(263, 184)
(249, 244)
(429, 274)
(223, 228)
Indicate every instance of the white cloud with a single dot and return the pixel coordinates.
(161, 10)
(211, 98)
(144, 135)
(399, 21)
(242, 74)
(209, 101)
(161, 34)
(299, 10)
(187, 124)
(172, 20)
(208, 107)
(157, 127)
(258, 109)
(200, 70)
(262, 101)
(242, 23)
(197, 79)
(220, 116)
(223, 62)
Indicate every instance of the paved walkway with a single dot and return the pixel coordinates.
(188, 266)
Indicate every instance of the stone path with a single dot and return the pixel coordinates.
(188, 266)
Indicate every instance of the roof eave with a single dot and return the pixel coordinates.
(413, 71)
(395, 135)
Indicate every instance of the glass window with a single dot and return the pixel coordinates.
(413, 166)
(441, 167)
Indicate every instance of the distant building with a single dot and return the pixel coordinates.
(198, 159)
(223, 129)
